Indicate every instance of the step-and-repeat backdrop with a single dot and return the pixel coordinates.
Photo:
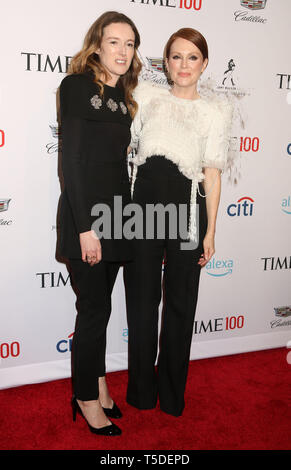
(245, 295)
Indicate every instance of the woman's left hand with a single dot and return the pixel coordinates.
(208, 245)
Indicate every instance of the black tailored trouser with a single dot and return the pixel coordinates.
(94, 285)
(160, 181)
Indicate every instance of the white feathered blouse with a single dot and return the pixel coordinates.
(193, 134)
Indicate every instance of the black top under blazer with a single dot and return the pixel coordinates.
(95, 135)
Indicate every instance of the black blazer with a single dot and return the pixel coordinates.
(95, 134)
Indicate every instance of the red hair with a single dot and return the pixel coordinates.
(191, 35)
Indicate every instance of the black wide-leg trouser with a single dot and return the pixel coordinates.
(160, 181)
(94, 286)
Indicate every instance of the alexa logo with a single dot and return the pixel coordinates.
(219, 268)
(286, 205)
(243, 207)
(65, 345)
(253, 4)
(125, 335)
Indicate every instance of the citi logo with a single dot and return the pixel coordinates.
(219, 268)
(243, 207)
(289, 149)
(286, 205)
(65, 345)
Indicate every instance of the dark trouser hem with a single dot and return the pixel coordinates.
(172, 412)
(141, 407)
(94, 287)
(93, 394)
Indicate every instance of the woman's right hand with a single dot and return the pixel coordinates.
(209, 250)
(90, 247)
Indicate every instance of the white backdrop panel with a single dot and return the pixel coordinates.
(249, 275)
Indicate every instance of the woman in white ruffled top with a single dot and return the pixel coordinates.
(180, 142)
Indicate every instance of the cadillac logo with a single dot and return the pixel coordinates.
(156, 63)
(55, 131)
(283, 311)
(4, 203)
(153, 70)
(253, 4)
(53, 147)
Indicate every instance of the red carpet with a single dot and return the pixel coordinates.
(232, 402)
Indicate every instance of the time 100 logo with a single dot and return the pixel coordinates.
(189, 4)
(9, 350)
(248, 144)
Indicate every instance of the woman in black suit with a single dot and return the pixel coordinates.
(97, 108)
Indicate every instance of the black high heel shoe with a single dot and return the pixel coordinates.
(113, 412)
(110, 430)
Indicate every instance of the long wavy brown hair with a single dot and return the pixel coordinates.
(88, 61)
